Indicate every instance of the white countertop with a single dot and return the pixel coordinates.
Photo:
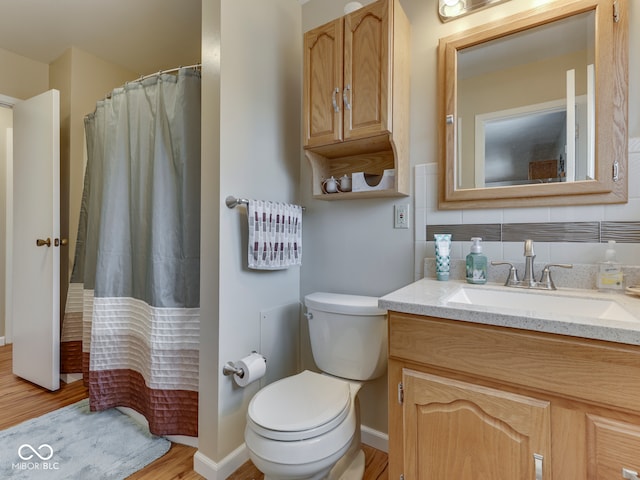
(428, 297)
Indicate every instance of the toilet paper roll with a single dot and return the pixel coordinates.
(254, 367)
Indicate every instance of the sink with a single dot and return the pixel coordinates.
(536, 301)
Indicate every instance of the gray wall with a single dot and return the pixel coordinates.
(251, 55)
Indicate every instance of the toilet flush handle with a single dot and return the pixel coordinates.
(309, 315)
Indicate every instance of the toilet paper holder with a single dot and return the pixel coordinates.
(231, 369)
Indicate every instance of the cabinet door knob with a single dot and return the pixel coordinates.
(537, 461)
(336, 108)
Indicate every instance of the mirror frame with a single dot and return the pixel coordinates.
(611, 86)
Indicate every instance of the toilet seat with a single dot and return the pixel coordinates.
(299, 407)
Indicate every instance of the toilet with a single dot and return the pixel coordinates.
(307, 426)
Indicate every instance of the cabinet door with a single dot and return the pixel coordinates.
(367, 80)
(612, 447)
(323, 58)
(458, 430)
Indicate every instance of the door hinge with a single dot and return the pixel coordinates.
(616, 13)
(402, 476)
(400, 393)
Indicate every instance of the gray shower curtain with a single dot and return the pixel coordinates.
(133, 306)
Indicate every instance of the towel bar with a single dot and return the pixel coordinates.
(233, 202)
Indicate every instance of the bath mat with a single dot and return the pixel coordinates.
(74, 443)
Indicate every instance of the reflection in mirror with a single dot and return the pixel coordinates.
(524, 107)
(533, 108)
(521, 148)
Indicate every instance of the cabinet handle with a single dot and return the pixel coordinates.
(629, 474)
(537, 461)
(336, 108)
(347, 105)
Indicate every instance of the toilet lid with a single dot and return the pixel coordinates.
(299, 403)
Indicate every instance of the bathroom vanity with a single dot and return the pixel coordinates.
(497, 389)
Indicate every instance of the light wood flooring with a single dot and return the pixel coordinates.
(21, 400)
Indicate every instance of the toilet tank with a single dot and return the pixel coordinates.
(348, 335)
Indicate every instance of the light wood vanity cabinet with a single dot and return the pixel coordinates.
(356, 97)
(478, 401)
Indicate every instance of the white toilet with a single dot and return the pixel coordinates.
(307, 426)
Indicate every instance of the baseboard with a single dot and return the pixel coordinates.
(220, 470)
(183, 439)
(375, 439)
(70, 377)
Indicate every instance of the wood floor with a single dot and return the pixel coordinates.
(21, 400)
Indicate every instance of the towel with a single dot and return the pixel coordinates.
(275, 235)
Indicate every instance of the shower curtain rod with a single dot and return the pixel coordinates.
(170, 70)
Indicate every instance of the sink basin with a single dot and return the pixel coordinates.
(537, 301)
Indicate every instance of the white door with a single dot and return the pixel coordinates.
(36, 240)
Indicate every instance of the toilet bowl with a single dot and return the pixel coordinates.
(300, 426)
(307, 426)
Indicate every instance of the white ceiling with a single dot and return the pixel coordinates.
(142, 35)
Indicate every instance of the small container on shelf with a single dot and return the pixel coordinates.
(366, 182)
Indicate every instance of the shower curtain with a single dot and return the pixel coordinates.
(132, 317)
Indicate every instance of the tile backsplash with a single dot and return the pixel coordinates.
(573, 234)
(582, 232)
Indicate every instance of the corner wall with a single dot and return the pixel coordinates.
(22, 77)
(251, 149)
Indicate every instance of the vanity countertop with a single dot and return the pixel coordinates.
(429, 297)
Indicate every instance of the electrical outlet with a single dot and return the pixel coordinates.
(401, 216)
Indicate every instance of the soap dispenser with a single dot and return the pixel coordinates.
(610, 276)
(476, 263)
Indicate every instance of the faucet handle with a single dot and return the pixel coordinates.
(545, 278)
(512, 279)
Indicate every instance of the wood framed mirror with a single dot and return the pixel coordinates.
(533, 108)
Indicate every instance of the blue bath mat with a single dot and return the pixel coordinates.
(74, 443)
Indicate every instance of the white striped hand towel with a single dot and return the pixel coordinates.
(275, 235)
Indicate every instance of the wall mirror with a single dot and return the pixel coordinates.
(533, 108)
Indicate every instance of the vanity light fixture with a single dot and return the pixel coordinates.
(352, 7)
(451, 9)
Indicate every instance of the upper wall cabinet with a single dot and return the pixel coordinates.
(356, 100)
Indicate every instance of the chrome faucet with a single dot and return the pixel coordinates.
(529, 276)
(529, 280)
